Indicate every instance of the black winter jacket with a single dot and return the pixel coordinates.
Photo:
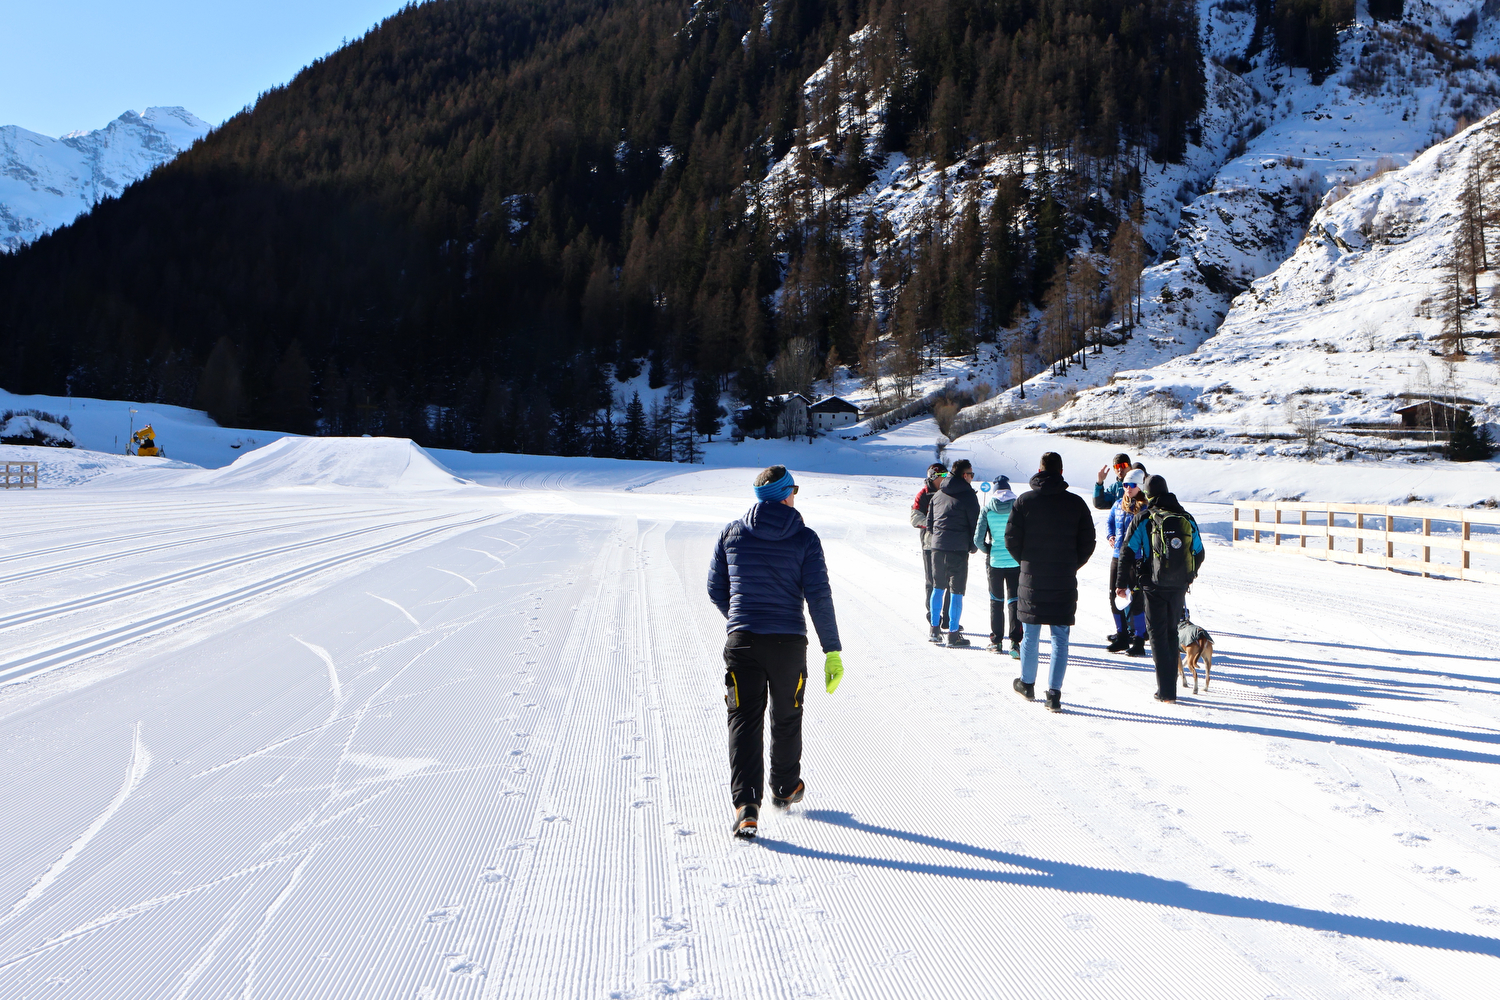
(1051, 534)
(763, 567)
(953, 516)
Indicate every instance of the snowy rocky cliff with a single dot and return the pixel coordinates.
(46, 183)
(1368, 315)
(1275, 148)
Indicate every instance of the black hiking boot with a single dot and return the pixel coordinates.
(1118, 643)
(1054, 700)
(936, 635)
(1027, 691)
(784, 801)
(1167, 701)
(746, 819)
(1137, 648)
(957, 639)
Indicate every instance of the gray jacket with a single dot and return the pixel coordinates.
(953, 516)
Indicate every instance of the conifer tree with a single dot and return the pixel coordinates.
(634, 444)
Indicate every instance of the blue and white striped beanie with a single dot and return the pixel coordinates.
(777, 491)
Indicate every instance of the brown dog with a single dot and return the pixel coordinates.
(1196, 644)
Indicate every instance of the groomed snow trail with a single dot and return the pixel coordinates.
(470, 743)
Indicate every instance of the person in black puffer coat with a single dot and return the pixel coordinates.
(1051, 534)
(952, 518)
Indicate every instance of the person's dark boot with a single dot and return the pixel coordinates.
(1027, 691)
(746, 820)
(936, 635)
(783, 801)
(1118, 643)
(957, 639)
(1137, 647)
(1054, 700)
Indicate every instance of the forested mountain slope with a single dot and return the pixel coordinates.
(451, 226)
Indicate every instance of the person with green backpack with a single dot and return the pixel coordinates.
(1162, 555)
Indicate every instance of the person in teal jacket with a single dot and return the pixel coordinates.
(1004, 571)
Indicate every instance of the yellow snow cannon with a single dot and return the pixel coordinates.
(145, 442)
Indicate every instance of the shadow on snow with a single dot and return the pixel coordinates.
(1064, 877)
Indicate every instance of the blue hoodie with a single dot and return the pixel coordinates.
(763, 567)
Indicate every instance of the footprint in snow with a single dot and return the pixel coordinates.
(1409, 839)
(445, 915)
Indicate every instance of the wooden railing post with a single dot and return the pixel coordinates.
(1464, 563)
(1390, 546)
(1329, 537)
(1277, 535)
(1359, 543)
(1256, 532)
(1304, 524)
(1234, 527)
(1426, 549)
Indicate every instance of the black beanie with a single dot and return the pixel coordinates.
(1156, 486)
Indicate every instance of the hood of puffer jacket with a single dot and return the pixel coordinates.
(957, 486)
(1048, 482)
(772, 521)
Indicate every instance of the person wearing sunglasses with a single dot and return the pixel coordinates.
(764, 567)
(1130, 624)
(952, 518)
(1106, 498)
(937, 473)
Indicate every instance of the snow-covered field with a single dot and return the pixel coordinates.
(334, 723)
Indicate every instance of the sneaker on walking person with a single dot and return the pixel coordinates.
(1024, 689)
(784, 800)
(1051, 535)
(1054, 700)
(764, 567)
(746, 821)
(958, 639)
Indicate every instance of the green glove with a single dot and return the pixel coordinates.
(833, 671)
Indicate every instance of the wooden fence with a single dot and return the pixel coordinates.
(1312, 529)
(19, 475)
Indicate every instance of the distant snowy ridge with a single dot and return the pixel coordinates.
(46, 183)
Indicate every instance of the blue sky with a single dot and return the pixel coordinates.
(77, 64)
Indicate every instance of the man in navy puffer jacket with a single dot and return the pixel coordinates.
(764, 566)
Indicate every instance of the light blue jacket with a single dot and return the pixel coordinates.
(989, 533)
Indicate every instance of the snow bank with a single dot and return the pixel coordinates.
(105, 425)
(363, 463)
(62, 467)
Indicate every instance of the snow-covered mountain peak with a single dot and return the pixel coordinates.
(46, 183)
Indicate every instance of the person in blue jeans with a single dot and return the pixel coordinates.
(1051, 534)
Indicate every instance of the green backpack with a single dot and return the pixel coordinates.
(1173, 565)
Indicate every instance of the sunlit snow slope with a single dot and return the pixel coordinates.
(372, 741)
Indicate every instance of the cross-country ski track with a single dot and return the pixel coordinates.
(468, 741)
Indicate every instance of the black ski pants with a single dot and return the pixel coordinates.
(755, 666)
(927, 601)
(1005, 593)
(1163, 612)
